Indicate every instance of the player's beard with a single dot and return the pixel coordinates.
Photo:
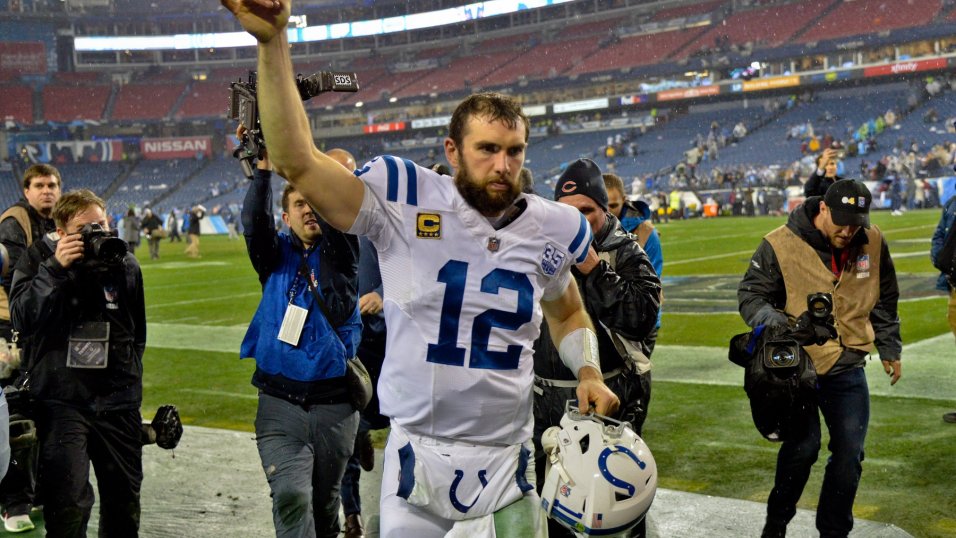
(477, 195)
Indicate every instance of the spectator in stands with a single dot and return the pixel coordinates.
(196, 215)
(153, 226)
(825, 173)
(21, 225)
(946, 282)
(172, 223)
(131, 229)
(622, 296)
(635, 218)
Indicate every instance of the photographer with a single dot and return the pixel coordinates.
(21, 225)
(77, 302)
(944, 238)
(828, 246)
(305, 425)
(826, 172)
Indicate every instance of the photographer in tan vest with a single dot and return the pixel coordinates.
(828, 246)
(21, 225)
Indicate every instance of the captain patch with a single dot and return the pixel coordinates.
(551, 260)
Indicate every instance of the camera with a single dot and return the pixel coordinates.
(244, 108)
(820, 306)
(838, 146)
(101, 248)
(780, 353)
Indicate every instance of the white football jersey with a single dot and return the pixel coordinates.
(462, 300)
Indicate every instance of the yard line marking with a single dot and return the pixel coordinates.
(209, 338)
(714, 257)
(205, 300)
(210, 392)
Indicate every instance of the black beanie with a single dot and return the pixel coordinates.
(582, 177)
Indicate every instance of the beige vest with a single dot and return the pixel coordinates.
(855, 294)
(23, 219)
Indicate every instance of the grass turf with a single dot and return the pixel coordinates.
(701, 434)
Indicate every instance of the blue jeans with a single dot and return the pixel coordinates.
(4, 435)
(844, 400)
(303, 452)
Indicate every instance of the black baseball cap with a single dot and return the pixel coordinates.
(849, 202)
(582, 177)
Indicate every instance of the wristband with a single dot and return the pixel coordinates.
(578, 349)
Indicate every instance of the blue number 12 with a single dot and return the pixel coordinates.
(454, 275)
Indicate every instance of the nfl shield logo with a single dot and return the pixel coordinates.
(565, 490)
(494, 244)
(863, 263)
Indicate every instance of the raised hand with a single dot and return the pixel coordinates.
(264, 19)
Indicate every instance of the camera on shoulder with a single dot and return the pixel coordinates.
(101, 248)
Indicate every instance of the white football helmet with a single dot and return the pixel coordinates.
(601, 478)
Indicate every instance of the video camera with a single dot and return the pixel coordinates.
(244, 108)
(101, 248)
(783, 351)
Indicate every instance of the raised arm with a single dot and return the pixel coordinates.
(334, 192)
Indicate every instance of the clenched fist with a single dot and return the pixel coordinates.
(264, 19)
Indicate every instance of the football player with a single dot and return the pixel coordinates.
(469, 266)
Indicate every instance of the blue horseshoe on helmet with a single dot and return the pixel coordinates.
(459, 474)
(606, 473)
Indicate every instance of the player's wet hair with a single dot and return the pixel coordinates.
(494, 107)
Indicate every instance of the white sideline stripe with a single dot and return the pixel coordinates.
(714, 257)
(206, 300)
(921, 241)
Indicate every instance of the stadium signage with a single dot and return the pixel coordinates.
(577, 106)
(176, 148)
(384, 127)
(904, 67)
(22, 58)
(771, 83)
(687, 93)
(76, 151)
(431, 122)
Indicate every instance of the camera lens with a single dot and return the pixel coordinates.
(782, 357)
(820, 305)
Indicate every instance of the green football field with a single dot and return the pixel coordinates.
(699, 425)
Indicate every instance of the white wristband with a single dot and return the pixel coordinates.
(578, 349)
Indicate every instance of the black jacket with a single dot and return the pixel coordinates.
(625, 299)
(14, 237)
(817, 184)
(762, 293)
(48, 301)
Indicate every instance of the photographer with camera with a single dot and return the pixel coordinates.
(305, 424)
(826, 171)
(21, 225)
(827, 246)
(77, 303)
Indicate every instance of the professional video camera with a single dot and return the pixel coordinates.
(244, 108)
(101, 248)
(815, 327)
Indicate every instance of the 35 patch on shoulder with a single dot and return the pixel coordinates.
(428, 226)
(551, 259)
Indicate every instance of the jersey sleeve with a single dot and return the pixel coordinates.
(572, 233)
(390, 182)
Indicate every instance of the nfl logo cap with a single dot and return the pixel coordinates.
(849, 202)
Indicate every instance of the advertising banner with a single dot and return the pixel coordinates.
(176, 148)
(771, 83)
(687, 93)
(81, 151)
(22, 58)
(384, 127)
(900, 68)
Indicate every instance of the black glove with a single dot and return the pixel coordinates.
(813, 332)
(167, 427)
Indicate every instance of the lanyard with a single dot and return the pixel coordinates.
(303, 271)
(844, 255)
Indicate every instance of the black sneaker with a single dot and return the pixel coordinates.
(774, 530)
(950, 417)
